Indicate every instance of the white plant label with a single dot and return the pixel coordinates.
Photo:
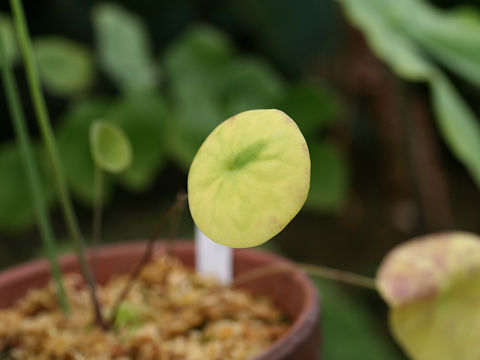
(212, 258)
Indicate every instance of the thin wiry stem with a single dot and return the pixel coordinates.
(339, 275)
(97, 206)
(43, 121)
(175, 208)
(312, 270)
(32, 174)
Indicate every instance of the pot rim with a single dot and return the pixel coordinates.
(300, 329)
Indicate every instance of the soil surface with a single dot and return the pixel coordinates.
(170, 313)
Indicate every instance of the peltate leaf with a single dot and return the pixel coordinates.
(249, 178)
(432, 285)
(74, 148)
(142, 116)
(110, 147)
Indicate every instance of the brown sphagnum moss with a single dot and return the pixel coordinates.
(170, 313)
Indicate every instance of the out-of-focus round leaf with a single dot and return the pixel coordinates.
(249, 178)
(74, 148)
(142, 116)
(110, 147)
(181, 144)
(198, 57)
(432, 285)
(16, 206)
(65, 66)
(313, 106)
(195, 66)
(124, 47)
(249, 83)
(9, 42)
(329, 183)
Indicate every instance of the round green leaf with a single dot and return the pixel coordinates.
(432, 285)
(65, 66)
(249, 178)
(74, 148)
(110, 147)
(143, 117)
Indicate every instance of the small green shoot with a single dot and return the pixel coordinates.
(128, 316)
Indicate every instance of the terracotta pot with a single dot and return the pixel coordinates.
(293, 292)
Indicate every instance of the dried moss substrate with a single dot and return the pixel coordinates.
(170, 314)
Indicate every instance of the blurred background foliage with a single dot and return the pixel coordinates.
(166, 103)
(385, 91)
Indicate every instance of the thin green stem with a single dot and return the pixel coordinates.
(310, 269)
(97, 214)
(97, 206)
(339, 275)
(31, 170)
(49, 141)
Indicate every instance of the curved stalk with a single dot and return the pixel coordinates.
(43, 121)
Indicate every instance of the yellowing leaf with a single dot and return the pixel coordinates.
(432, 285)
(249, 178)
(110, 147)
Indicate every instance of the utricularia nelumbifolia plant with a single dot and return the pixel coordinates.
(248, 180)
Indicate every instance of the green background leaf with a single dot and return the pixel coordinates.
(397, 36)
(194, 68)
(65, 66)
(142, 116)
(74, 148)
(329, 179)
(313, 107)
(249, 83)
(16, 206)
(458, 125)
(124, 47)
(349, 322)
